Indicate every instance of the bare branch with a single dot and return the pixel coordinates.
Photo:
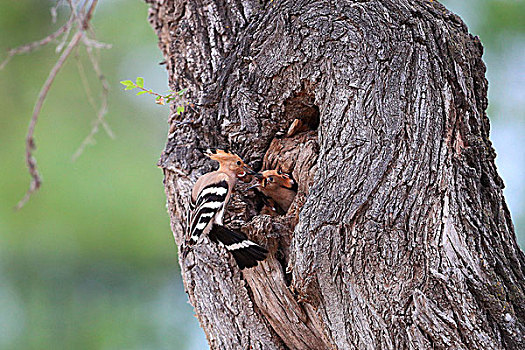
(30, 142)
(83, 17)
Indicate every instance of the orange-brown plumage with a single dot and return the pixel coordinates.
(280, 188)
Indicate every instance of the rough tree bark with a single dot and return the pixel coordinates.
(399, 236)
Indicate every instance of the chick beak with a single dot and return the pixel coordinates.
(257, 185)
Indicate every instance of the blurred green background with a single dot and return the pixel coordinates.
(90, 262)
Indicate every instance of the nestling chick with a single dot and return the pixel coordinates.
(278, 189)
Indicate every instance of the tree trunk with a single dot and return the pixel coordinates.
(399, 237)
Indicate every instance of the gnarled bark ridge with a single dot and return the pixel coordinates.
(399, 236)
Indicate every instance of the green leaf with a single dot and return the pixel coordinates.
(180, 109)
(140, 82)
(141, 93)
(130, 87)
(127, 83)
(181, 92)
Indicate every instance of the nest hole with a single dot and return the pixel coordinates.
(301, 112)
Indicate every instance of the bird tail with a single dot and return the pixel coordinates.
(245, 252)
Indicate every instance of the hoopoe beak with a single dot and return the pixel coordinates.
(249, 171)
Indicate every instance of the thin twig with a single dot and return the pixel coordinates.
(54, 11)
(96, 44)
(64, 39)
(85, 83)
(74, 12)
(101, 112)
(30, 142)
(105, 90)
(149, 91)
(35, 45)
(103, 106)
(104, 95)
(104, 98)
(72, 17)
(89, 43)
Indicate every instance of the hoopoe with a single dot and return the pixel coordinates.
(278, 190)
(209, 198)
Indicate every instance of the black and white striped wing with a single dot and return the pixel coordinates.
(208, 208)
(246, 252)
